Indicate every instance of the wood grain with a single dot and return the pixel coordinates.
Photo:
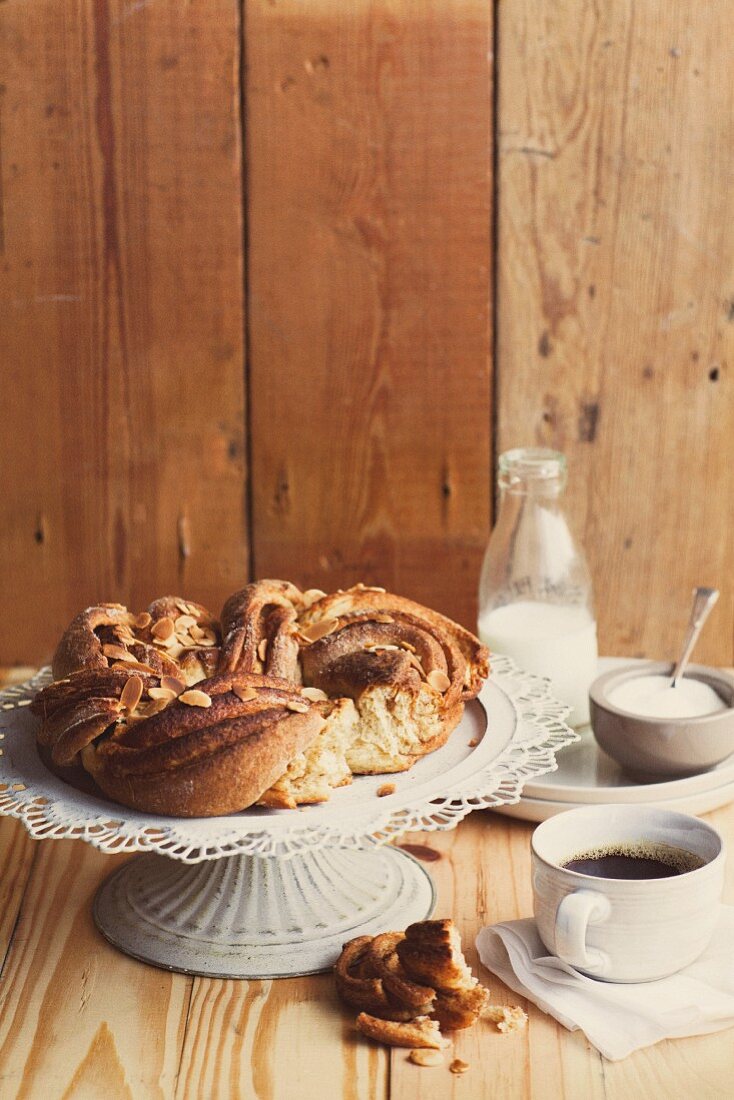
(121, 315)
(369, 165)
(79, 1019)
(615, 321)
(275, 1040)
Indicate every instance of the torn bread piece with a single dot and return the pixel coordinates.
(312, 774)
(420, 1032)
(507, 1017)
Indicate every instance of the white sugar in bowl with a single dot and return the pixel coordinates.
(658, 732)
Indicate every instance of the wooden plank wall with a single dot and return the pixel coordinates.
(615, 317)
(369, 285)
(121, 299)
(147, 446)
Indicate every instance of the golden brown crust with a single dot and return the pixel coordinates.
(431, 952)
(259, 630)
(422, 973)
(465, 659)
(419, 1032)
(172, 714)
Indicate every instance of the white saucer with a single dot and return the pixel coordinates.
(702, 802)
(586, 775)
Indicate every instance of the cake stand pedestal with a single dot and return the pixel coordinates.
(275, 893)
(259, 917)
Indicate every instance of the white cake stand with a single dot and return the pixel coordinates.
(275, 893)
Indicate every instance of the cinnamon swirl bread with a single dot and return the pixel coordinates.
(285, 697)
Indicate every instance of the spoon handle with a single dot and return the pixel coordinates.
(703, 601)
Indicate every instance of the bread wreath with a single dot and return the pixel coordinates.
(172, 711)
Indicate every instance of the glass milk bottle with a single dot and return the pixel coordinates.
(535, 600)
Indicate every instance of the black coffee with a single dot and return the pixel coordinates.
(634, 860)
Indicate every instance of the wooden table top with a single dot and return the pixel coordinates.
(80, 1020)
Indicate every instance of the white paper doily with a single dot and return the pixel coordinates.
(519, 727)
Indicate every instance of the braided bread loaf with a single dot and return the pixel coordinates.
(284, 698)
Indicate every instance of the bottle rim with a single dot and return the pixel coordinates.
(541, 463)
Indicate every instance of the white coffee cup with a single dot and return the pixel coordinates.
(623, 930)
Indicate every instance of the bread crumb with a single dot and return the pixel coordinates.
(474, 742)
(457, 1066)
(385, 789)
(424, 1057)
(508, 1018)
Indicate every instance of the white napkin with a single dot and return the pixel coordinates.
(617, 1019)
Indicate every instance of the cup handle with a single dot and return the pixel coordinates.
(573, 916)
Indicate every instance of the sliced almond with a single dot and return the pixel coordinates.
(311, 595)
(300, 708)
(162, 693)
(382, 618)
(183, 622)
(141, 621)
(131, 665)
(318, 630)
(416, 663)
(385, 789)
(207, 637)
(132, 692)
(117, 652)
(244, 693)
(457, 1066)
(183, 606)
(195, 631)
(262, 648)
(147, 710)
(184, 639)
(173, 684)
(422, 1057)
(384, 647)
(163, 629)
(406, 645)
(195, 698)
(474, 742)
(316, 695)
(438, 680)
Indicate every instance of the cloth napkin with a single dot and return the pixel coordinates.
(617, 1019)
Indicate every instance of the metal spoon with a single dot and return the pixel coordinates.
(703, 601)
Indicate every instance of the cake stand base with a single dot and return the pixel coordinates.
(259, 917)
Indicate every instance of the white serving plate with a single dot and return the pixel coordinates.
(587, 775)
(700, 802)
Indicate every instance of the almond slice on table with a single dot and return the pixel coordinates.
(318, 630)
(194, 698)
(438, 680)
(163, 629)
(425, 1057)
(132, 693)
(458, 1066)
